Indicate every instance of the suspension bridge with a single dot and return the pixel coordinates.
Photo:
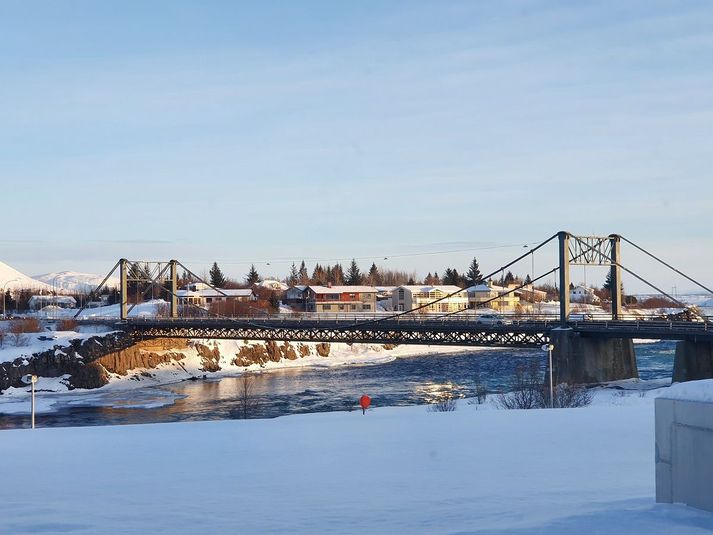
(595, 350)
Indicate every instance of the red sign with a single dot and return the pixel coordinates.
(364, 401)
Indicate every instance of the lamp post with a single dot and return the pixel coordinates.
(549, 348)
(4, 286)
(31, 380)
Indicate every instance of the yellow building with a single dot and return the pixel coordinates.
(492, 296)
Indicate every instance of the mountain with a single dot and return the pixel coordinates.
(72, 281)
(13, 279)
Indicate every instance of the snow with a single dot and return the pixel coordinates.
(76, 282)
(12, 279)
(691, 391)
(394, 470)
(149, 308)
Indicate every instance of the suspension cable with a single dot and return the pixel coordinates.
(667, 265)
(447, 296)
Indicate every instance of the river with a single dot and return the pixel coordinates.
(403, 381)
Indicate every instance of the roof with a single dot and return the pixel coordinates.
(239, 292)
(445, 288)
(342, 289)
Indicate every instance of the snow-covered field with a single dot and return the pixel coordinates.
(394, 470)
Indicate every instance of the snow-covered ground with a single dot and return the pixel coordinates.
(394, 470)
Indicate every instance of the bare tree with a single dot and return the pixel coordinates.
(529, 391)
(447, 403)
(248, 402)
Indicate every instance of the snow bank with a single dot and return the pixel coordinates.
(691, 391)
(395, 470)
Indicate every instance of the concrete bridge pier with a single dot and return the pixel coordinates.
(694, 361)
(581, 360)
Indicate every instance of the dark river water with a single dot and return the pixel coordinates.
(404, 381)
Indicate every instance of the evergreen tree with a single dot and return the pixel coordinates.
(252, 277)
(217, 278)
(436, 278)
(452, 276)
(303, 275)
(429, 279)
(294, 276)
(509, 278)
(528, 280)
(608, 285)
(411, 282)
(353, 275)
(374, 276)
(474, 276)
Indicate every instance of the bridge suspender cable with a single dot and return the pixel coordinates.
(667, 265)
(447, 296)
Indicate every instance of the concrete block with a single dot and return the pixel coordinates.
(664, 425)
(664, 489)
(693, 413)
(692, 467)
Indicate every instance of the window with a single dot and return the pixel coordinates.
(366, 307)
(326, 307)
(353, 307)
(341, 307)
(401, 293)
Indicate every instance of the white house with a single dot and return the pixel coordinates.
(36, 302)
(496, 297)
(409, 297)
(582, 294)
(202, 295)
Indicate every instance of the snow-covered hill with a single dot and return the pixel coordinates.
(12, 279)
(73, 281)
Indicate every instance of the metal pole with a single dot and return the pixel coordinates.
(552, 389)
(34, 380)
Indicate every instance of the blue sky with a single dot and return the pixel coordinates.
(274, 131)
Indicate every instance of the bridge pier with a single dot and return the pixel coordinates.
(694, 361)
(579, 359)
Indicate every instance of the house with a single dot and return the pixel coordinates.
(582, 294)
(202, 295)
(37, 302)
(296, 298)
(530, 294)
(340, 298)
(410, 297)
(492, 296)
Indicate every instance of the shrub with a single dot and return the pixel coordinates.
(529, 391)
(67, 324)
(446, 404)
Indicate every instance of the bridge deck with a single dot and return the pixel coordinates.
(403, 330)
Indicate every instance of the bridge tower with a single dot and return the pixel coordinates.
(123, 289)
(589, 251)
(162, 275)
(580, 359)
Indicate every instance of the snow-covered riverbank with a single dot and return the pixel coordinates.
(395, 470)
(191, 364)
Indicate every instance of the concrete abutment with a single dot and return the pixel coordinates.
(582, 360)
(694, 361)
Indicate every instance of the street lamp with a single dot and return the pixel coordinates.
(549, 348)
(31, 380)
(3, 295)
